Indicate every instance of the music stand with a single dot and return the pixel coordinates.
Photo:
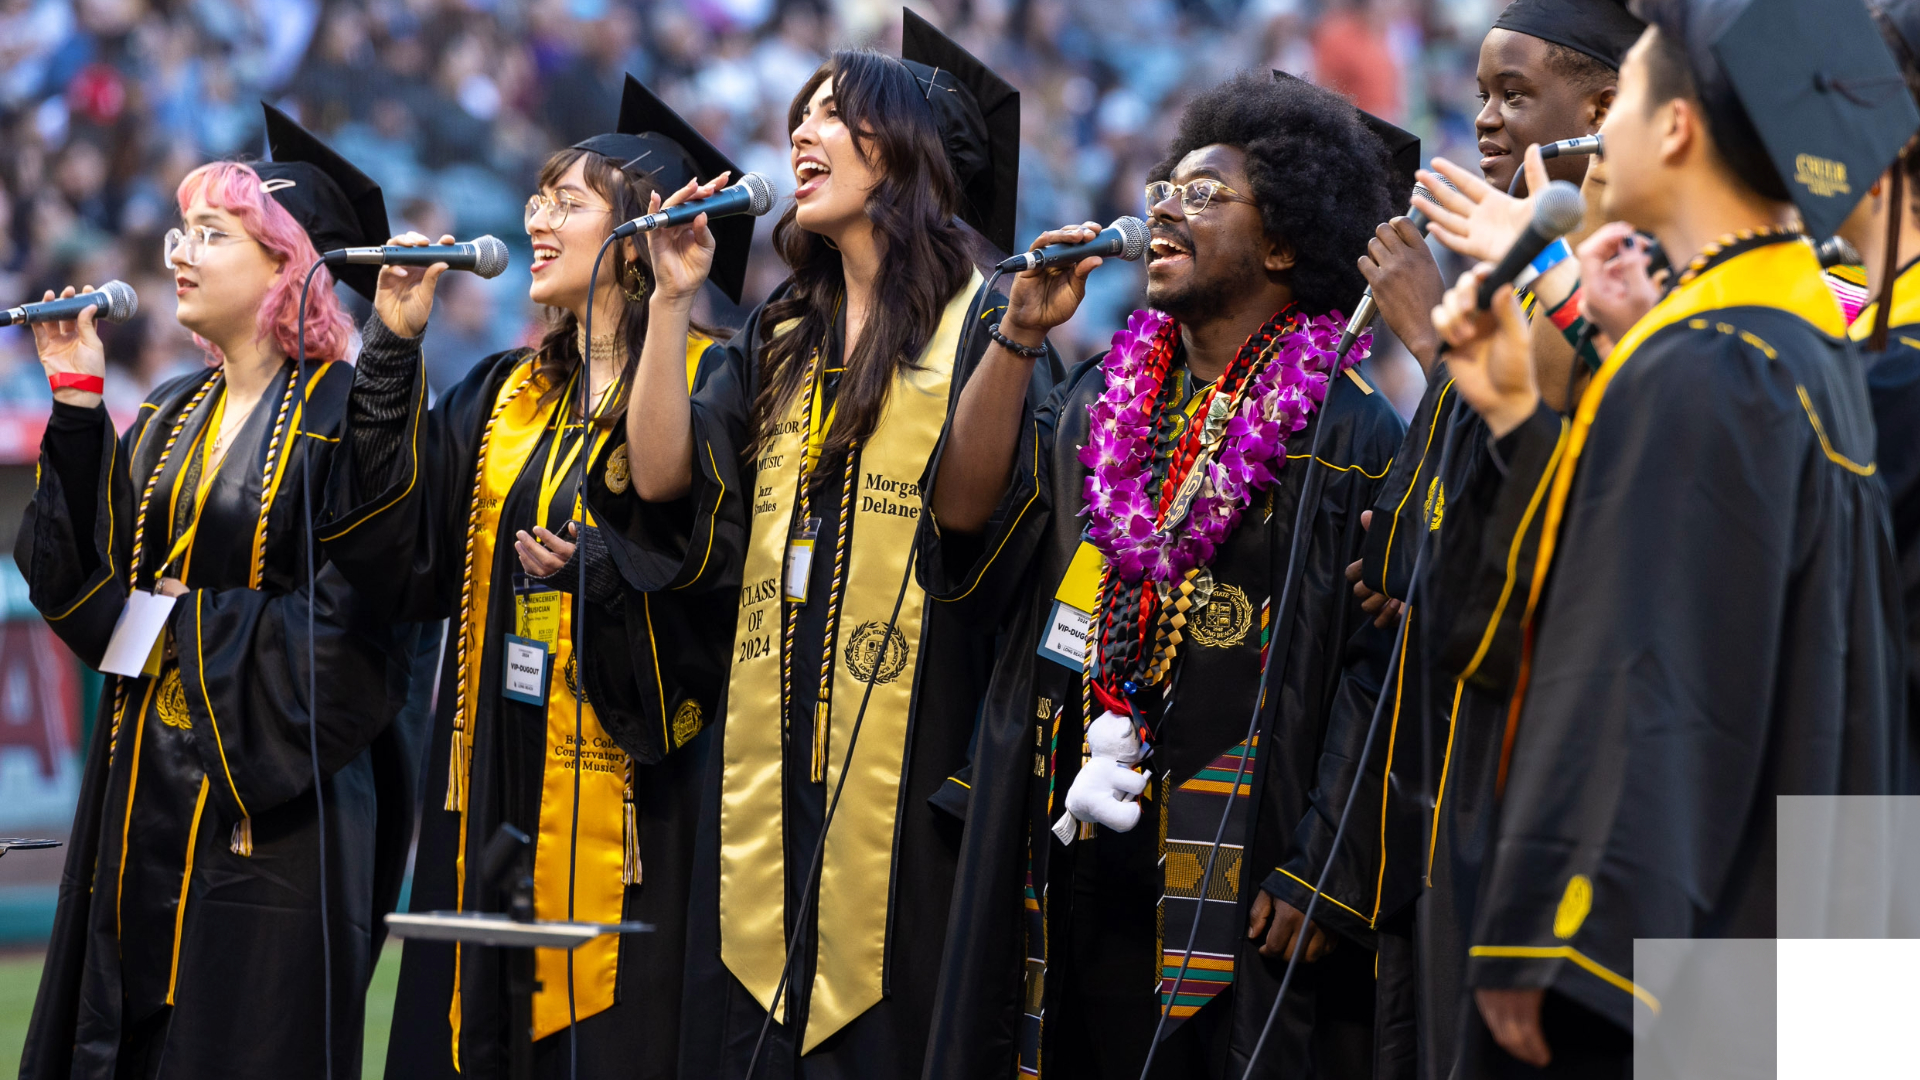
(507, 862)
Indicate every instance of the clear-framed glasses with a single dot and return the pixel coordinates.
(557, 207)
(190, 244)
(1195, 195)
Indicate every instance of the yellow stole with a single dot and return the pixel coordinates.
(599, 885)
(1906, 307)
(857, 866)
(1785, 276)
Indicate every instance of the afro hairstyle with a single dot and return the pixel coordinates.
(1321, 178)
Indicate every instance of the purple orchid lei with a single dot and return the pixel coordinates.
(1119, 451)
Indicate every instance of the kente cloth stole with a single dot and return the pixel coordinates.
(599, 893)
(1189, 815)
(857, 866)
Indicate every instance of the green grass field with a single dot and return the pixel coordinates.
(20, 977)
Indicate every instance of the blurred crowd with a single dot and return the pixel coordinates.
(452, 104)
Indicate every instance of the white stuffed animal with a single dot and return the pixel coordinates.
(1107, 789)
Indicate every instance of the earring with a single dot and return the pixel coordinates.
(635, 284)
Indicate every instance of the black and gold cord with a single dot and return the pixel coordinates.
(818, 769)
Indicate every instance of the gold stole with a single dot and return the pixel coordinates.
(598, 887)
(857, 867)
(1785, 276)
(1906, 306)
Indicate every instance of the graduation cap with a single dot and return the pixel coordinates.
(653, 140)
(1402, 146)
(1602, 29)
(1903, 18)
(1830, 106)
(978, 114)
(338, 205)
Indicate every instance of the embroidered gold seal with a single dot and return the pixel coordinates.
(1225, 620)
(171, 703)
(1574, 905)
(619, 472)
(686, 722)
(876, 653)
(1436, 504)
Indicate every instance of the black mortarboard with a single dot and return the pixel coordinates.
(1402, 146)
(653, 140)
(978, 114)
(338, 205)
(1825, 96)
(1602, 29)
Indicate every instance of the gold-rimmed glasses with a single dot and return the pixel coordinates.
(1195, 195)
(557, 207)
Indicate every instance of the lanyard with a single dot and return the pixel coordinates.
(817, 424)
(209, 468)
(551, 477)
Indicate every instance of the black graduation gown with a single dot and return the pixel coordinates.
(1718, 626)
(1893, 388)
(173, 954)
(1461, 653)
(1097, 971)
(888, 1039)
(407, 492)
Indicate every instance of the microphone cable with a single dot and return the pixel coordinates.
(1309, 495)
(967, 338)
(313, 676)
(1366, 752)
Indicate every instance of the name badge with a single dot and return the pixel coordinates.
(524, 671)
(1070, 625)
(134, 648)
(800, 560)
(536, 611)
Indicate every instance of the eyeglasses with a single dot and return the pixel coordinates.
(557, 206)
(1195, 195)
(190, 244)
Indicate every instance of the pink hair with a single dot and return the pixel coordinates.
(236, 188)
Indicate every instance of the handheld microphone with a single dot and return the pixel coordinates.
(1126, 238)
(116, 300)
(1585, 144)
(1557, 213)
(1363, 311)
(1834, 251)
(486, 256)
(751, 194)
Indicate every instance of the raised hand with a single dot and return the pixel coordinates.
(1478, 220)
(71, 346)
(1615, 288)
(1491, 359)
(682, 255)
(1042, 299)
(404, 297)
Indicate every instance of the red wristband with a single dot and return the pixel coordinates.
(87, 384)
(1567, 310)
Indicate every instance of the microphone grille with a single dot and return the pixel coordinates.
(1560, 209)
(489, 256)
(1133, 236)
(759, 193)
(122, 301)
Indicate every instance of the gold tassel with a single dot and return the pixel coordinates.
(242, 842)
(457, 772)
(630, 869)
(820, 716)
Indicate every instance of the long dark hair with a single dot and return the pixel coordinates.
(559, 353)
(923, 252)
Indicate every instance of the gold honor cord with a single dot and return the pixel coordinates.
(857, 864)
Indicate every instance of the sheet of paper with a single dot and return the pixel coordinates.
(136, 634)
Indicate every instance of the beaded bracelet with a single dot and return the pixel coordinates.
(1029, 352)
